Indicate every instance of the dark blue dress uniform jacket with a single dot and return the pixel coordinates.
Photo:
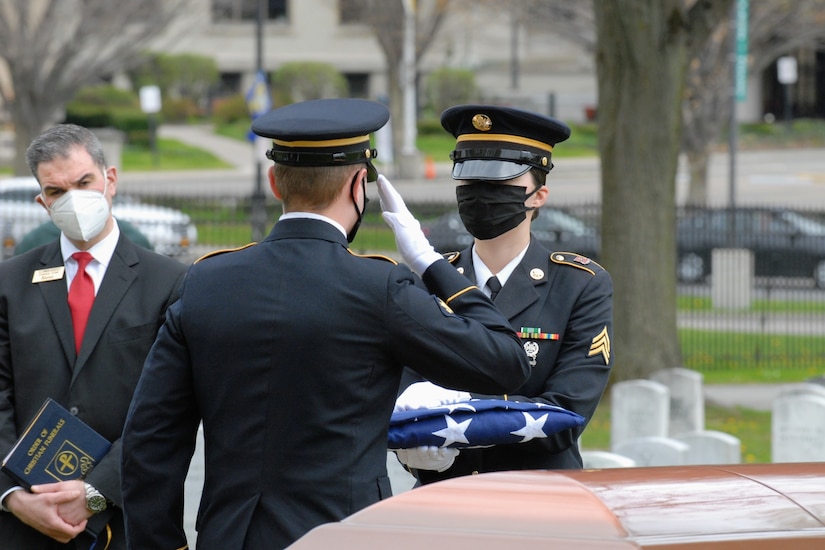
(564, 295)
(291, 352)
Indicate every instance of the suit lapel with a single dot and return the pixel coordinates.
(522, 288)
(119, 276)
(55, 295)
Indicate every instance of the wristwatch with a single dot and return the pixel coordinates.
(95, 501)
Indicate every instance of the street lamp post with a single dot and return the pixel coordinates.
(258, 200)
(409, 162)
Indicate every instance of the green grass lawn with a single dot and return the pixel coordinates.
(171, 154)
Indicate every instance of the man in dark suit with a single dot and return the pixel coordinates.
(561, 303)
(47, 350)
(290, 352)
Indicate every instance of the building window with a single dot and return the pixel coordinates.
(247, 10)
(358, 84)
(230, 84)
(349, 11)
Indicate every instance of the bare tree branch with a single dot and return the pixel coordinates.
(386, 19)
(51, 48)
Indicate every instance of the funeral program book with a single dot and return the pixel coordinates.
(55, 446)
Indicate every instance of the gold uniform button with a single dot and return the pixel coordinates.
(460, 270)
(536, 274)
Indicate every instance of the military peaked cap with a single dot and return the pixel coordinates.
(500, 143)
(323, 132)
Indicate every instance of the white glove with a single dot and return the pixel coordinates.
(414, 247)
(428, 458)
(426, 395)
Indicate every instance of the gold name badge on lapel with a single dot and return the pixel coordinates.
(48, 274)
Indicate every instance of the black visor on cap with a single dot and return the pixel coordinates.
(493, 170)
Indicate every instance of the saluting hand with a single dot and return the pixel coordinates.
(413, 246)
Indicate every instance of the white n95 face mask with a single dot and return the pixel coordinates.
(81, 213)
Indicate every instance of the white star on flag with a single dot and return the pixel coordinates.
(533, 427)
(454, 432)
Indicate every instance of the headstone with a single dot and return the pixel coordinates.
(639, 408)
(732, 281)
(603, 459)
(711, 447)
(687, 404)
(654, 451)
(798, 424)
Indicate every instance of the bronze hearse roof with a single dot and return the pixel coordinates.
(753, 507)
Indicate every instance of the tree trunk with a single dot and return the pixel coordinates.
(698, 169)
(396, 97)
(641, 63)
(29, 119)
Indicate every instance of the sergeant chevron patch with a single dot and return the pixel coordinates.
(601, 344)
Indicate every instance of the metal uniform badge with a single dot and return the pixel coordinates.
(482, 122)
(531, 348)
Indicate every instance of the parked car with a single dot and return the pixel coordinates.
(170, 231)
(754, 506)
(554, 228)
(785, 243)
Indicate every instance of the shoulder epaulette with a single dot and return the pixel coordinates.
(451, 257)
(373, 256)
(576, 260)
(223, 251)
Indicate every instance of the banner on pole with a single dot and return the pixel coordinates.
(741, 49)
(258, 99)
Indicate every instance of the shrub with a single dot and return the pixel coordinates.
(230, 109)
(430, 126)
(179, 110)
(447, 87)
(186, 76)
(300, 81)
(110, 107)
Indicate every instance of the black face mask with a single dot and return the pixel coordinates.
(354, 230)
(491, 209)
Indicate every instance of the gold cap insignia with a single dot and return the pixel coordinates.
(544, 161)
(368, 153)
(482, 123)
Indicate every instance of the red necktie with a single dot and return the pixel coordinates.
(81, 297)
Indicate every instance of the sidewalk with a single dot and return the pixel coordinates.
(241, 155)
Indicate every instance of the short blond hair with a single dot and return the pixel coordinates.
(312, 188)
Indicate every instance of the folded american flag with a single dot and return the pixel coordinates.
(478, 423)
